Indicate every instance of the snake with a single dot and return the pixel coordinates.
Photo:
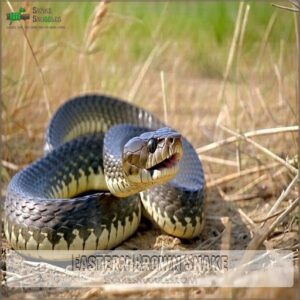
(106, 163)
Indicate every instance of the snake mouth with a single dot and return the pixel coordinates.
(168, 163)
(153, 157)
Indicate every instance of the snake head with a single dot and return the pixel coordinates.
(153, 157)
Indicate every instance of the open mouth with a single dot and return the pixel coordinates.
(166, 164)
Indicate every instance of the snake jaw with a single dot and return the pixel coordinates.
(167, 167)
(153, 158)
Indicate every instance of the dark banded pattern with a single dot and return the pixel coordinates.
(46, 208)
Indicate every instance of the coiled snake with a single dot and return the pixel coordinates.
(105, 160)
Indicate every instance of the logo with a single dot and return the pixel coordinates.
(40, 17)
(17, 16)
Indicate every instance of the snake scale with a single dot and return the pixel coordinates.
(106, 161)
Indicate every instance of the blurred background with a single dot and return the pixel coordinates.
(210, 69)
(214, 62)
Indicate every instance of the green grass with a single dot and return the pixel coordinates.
(204, 30)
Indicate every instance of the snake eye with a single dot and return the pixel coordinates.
(152, 144)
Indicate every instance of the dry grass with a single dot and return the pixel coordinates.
(246, 124)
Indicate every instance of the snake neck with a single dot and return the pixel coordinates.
(116, 179)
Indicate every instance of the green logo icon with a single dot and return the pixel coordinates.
(17, 16)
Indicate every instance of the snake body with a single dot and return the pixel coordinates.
(89, 189)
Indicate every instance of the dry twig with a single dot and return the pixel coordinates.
(270, 217)
(218, 160)
(163, 87)
(10, 165)
(263, 149)
(264, 232)
(46, 98)
(283, 196)
(226, 234)
(259, 132)
(236, 175)
(232, 50)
